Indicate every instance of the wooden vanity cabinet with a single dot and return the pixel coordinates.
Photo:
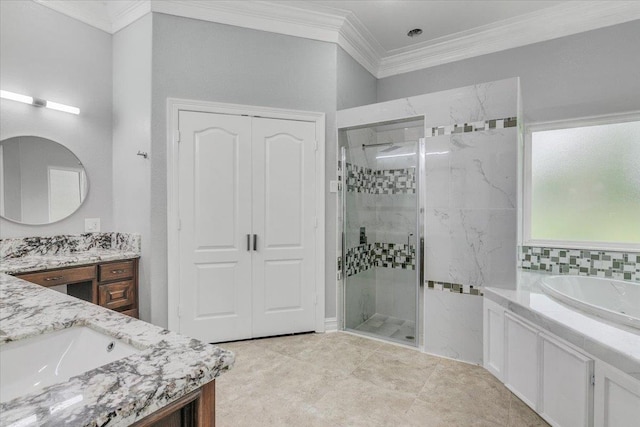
(196, 409)
(112, 284)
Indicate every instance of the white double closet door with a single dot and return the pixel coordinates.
(247, 236)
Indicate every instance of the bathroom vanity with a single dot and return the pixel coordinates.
(159, 378)
(112, 284)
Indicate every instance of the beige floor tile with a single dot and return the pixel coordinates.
(338, 379)
(398, 369)
(338, 356)
(354, 402)
(290, 345)
(456, 390)
(520, 415)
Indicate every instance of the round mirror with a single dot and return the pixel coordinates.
(41, 181)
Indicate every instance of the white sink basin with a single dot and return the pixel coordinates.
(34, 363)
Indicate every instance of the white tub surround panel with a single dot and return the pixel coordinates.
(167, 367)
(570, 367)
(615, 344)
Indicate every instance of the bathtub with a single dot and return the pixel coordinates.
(616, 300)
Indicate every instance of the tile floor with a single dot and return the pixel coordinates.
(399, 330)
(338, 379)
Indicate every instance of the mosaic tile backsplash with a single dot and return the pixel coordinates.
(387, 255)
(617, 265)
(390, 181)
(479, 126)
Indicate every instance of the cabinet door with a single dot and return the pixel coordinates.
(493, 337)
(566, 395)
(617, 398)
(521, 360)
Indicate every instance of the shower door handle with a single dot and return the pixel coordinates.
(255, 242)
(248, 242)
(409, 239)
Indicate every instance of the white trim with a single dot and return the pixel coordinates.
(315, 22)
(546, 24)
(128, 15)
(526, 198)
(331, 324)
(174, 106)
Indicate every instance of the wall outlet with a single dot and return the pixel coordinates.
(91, 225)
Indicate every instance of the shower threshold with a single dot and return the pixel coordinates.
(388, 328)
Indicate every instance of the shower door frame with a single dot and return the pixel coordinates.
(419, 165)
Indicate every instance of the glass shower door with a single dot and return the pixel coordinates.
(380, 234)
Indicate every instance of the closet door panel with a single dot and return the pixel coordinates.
(284, 223)
(215, 212)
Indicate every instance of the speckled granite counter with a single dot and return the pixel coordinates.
(615, 344)
(22, 255)
(168, 367)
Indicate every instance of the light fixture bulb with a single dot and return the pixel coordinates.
(5, 94)
(62, 107)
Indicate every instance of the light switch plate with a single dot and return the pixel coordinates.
(334, 186)
(92, 225)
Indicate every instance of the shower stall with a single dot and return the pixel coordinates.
(381, 230)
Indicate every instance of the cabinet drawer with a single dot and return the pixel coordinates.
(61, 277)
(117, 295)
(116, 271)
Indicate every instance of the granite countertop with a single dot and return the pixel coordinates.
(25, 264)
(615, 344)
(168, 366)
(29, 263)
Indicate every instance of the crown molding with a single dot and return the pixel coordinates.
(546, 24)
(134, 11)
(96, 15)
(82, 11)
(345, 29)
(259, 15)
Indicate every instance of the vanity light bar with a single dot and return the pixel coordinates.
(5, 94)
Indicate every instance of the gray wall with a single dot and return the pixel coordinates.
(356, 86)
(592, 73)
(51, 56)
(132, 132)
(207, 61)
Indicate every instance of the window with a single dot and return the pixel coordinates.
(582, 184)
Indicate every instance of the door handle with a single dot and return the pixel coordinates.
(255, 242)
(248, 242)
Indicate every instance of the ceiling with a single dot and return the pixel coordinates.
(388, 21)
(374, 32)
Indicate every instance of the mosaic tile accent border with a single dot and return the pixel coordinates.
(386, 181)
(454, 287)
(479, 126)
(67, 243)
(617, 265)
(386, 255)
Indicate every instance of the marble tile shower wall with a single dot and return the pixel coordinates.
(617, 265)
(470, 215)
(393, 181)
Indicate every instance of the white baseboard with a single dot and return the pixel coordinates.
(331, 324)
